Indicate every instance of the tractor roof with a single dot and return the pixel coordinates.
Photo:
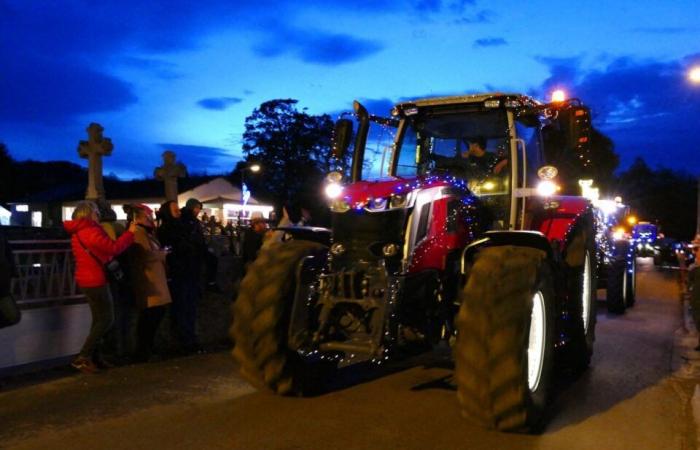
(472, 98)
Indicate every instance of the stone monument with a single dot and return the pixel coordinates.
(93, 150)
(168, 173)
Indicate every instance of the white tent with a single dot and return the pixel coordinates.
(4, 216)
(223, 199)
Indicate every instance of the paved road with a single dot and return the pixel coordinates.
(628, 399)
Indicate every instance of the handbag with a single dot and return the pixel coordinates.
(9, 312)
(113, 270)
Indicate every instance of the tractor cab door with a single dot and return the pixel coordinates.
(527, 153)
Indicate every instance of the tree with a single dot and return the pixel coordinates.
(293, 149)
(662, 196)
(7, 164)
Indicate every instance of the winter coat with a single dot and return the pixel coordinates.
(187, 247)
(89, 272)
(147, 270)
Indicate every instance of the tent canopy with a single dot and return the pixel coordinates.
(216, 190)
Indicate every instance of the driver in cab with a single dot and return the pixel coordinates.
(482, 161)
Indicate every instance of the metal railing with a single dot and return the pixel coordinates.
(44, 273)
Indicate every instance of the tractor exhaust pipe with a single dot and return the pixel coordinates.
(360, 141)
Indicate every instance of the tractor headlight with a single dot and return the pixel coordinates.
(376, 204)
(398, 201)
(333, 190)
(546, 188)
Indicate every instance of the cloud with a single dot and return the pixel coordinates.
(218, 103)
(316, 47)
(490, 42)
(646, 106)
(162, 69)
(48, 91)
(199, 158)
(479, 17)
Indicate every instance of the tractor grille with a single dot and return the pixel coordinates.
(363, 234)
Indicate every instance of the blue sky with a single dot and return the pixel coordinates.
(184, 75)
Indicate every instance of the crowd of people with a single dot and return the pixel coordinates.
(159, 263)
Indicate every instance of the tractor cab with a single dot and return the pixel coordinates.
(504, 148)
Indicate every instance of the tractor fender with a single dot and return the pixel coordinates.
(313, 234)
(532, 239)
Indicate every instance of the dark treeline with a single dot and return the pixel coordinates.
(663, 196)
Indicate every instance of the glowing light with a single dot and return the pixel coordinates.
(694, 75)
(22, 208)
(333, 190)
(489, 186)
(631, 220)
(558, 96)
(255, 168)
(619, 234)
(546, 188)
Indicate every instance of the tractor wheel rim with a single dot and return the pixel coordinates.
(624, 284)
(586, 293)
(536, 342)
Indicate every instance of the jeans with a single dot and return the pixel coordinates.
(102, 310)
(149, 321)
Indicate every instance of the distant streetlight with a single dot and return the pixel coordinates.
(694, 75)
(558, 96)
(255, 168)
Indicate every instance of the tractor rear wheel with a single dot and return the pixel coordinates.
(616, 287)
(505, 337)
(631, 283)
(261, 318)
(582, 289)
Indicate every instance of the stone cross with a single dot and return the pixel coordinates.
(168, 173)
(93, 150)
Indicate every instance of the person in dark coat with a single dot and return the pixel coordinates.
(92, 249)
(7, 271)
(181, 232)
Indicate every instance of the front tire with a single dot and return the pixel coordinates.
(504, 349)
(261, 318)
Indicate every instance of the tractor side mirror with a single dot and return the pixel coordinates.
(341, 138)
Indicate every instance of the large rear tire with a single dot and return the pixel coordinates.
(505, 337)
(582, 291)
(631, 283)
(617, 282)
(261, 318)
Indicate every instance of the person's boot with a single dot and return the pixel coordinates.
(85, 365)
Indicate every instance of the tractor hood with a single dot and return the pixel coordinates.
(388, 193)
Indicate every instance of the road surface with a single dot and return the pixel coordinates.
(631, 397)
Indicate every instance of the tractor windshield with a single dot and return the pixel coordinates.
(472, 145)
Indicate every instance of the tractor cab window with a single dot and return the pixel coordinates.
(530, 137)
(407, 165)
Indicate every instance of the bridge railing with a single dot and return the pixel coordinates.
(45, 271)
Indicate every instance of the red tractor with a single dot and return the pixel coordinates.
(474, 247)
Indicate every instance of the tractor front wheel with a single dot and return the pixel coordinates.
(261, 318)
(505, 337)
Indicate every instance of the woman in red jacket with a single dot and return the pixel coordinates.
(92, 248)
